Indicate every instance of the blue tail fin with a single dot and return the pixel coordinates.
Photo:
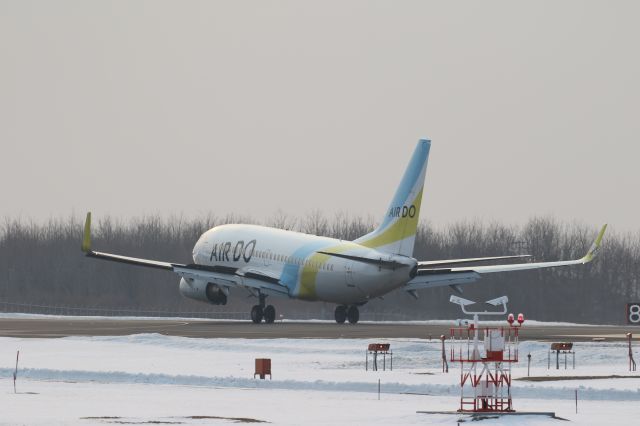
(397, 232)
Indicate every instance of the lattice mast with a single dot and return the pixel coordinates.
(485, 365)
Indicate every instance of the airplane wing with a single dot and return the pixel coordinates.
(428, 264)
(131, 260)
(252, 279)
(436, 277)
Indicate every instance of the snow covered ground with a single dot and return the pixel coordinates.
(150, 378)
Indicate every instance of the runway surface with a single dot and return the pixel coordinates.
(62, 327)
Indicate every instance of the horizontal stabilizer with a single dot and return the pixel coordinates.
(380, 262)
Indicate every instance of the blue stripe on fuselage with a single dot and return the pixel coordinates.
(291, 271)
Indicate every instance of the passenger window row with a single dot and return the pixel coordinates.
(294, 260)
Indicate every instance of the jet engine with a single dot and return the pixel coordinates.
(203, 291)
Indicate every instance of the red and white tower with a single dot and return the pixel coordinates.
(485, 355)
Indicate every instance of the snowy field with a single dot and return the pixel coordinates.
(155, 379)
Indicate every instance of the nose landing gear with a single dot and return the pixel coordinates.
(343, 313)
(260, 312)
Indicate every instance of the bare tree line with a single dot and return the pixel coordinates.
(42, 264)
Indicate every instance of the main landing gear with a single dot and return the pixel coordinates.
(343, 313)
(260, 312)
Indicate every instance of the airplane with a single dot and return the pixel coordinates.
(274, 262)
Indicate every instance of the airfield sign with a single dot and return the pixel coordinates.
(633, 313)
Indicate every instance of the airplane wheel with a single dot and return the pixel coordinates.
(353, 314)
(269, 314)
(341, 314)
(256, 314)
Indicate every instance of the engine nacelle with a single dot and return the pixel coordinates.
(202, 291)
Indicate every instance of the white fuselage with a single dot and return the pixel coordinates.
(293, 260)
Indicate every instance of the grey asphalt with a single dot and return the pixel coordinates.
(62, 327)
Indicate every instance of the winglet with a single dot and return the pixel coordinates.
(86, 239)
(595, 247)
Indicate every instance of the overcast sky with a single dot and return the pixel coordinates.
(250, 107)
